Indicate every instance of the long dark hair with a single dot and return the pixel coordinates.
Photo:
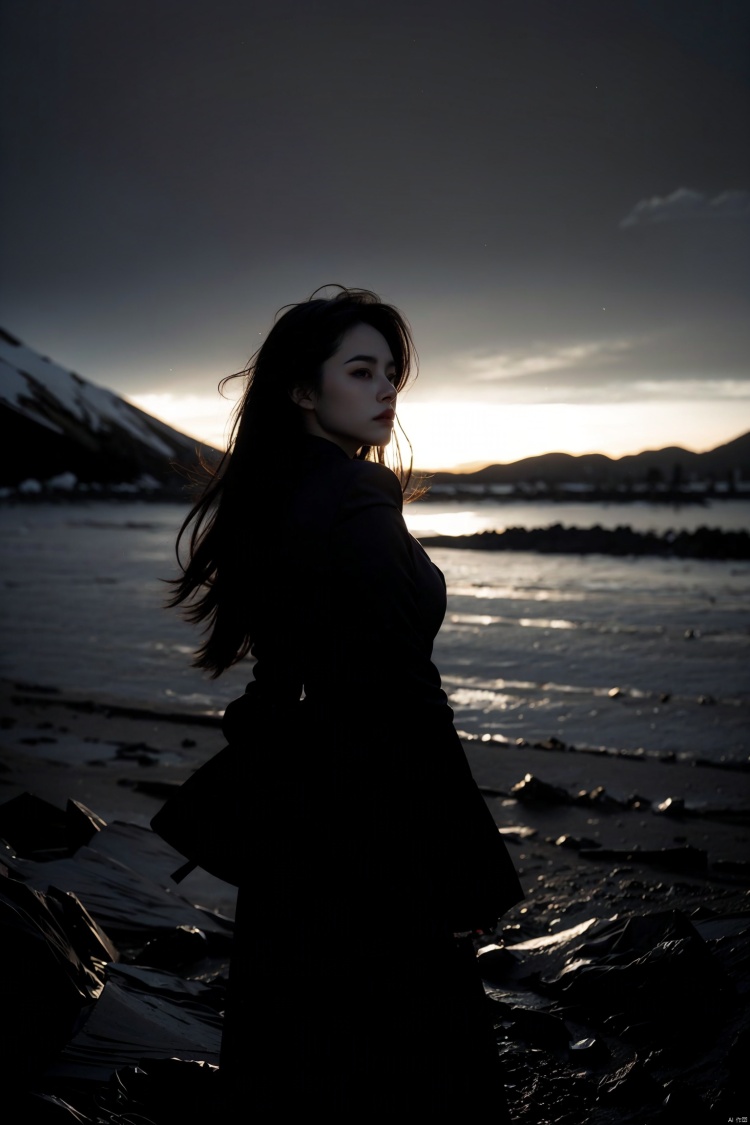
(262, 462)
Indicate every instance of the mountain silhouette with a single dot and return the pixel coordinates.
(54, 424)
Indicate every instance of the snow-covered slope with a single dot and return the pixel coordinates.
(53, 422)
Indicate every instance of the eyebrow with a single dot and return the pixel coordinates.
(369, 359)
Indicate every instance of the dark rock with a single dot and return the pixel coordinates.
(590, 1051)
(672, 806)
(631, 1085)
(654, 970)
(681, 1104)
(35, 828)
(49, 976)
(163, 1091)
(639, 1033)
(39, 830)
(517, 833)
(499, 1011)
(541, 1090)
(121, 878)
(83, 824)
(551, 743)
(176, 950)
(532, 790)
(598, 797)
(575, 843)
(88, 939)
(141, 1014)
(495, 963)
(139, 752)
(539, 1028)
(49, 1109)
(636, 801)
(702, 543)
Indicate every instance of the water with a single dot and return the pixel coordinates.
(451, 518)
(531, 647)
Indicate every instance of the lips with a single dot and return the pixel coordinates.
(386, 416)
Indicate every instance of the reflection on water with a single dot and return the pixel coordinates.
(619, 652)
(524, 622)
(446, 518)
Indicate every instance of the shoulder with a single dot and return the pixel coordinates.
(371, 484)
(334, 489)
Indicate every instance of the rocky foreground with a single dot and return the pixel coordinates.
(618, 988)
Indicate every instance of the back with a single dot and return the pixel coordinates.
(350, 603)
(348, 613)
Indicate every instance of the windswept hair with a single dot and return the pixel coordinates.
(231, 522)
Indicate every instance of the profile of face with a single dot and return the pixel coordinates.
(356, 401)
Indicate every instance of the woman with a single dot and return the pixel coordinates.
(368, 844)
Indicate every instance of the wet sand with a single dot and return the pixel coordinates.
(598, 839)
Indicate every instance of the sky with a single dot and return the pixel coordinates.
(555, 192)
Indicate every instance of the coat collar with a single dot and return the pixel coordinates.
(315, 446)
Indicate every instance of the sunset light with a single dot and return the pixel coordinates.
(451, 435)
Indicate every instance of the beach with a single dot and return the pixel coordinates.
(693, 865)
(618, 987)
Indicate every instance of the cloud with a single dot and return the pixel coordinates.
(661, 366)
(684, 203)
(526, 364)
(693, 390)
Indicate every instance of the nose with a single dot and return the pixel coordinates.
(387, 391)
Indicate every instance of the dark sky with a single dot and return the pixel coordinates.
(557, 192)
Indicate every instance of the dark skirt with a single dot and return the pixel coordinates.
(348, 992)
(356, 1020)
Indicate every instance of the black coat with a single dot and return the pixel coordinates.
(369, 843)
(369, 768)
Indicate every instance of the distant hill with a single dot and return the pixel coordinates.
(57, 427)
(671, 468)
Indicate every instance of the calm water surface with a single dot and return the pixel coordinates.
(532, 645)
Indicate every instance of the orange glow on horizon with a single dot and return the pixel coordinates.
(468, 435)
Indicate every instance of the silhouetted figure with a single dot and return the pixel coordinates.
(366, 843)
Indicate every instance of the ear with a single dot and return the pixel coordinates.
(303, 398)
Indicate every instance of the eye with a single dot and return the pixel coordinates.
(362, 371)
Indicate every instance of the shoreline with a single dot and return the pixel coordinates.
(594, 855)
(40, 696)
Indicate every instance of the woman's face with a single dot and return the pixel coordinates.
(356, 403)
